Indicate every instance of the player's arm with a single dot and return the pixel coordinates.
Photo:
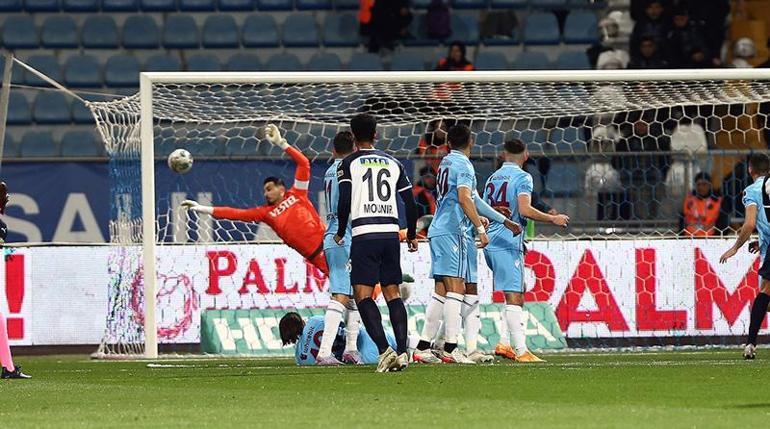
(493, 215)
(465, 198)
(345, 191)
(749, 223)
(255, 214)
(410, 208)
(524, 199)
(302, 173)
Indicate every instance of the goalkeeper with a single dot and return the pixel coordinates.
(290, 213)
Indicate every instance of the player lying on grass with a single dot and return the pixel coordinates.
(290, 213)
(756, 199)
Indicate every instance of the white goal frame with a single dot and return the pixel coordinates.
(147, 79)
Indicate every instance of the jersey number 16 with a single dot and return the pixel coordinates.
(383, 186)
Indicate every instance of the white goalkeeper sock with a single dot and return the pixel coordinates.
(352, 327)
(332, 320)
(452, 316)
(514, 315)
(432, 318)
(471, 322)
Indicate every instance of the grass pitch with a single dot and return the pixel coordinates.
(612, 389)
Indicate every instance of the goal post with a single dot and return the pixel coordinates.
(217, 115)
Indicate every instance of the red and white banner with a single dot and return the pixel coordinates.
(641, 288)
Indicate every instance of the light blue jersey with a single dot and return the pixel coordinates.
(503, 189)
(310, 342)
(331, 188)
(753, 195)
(454, 172)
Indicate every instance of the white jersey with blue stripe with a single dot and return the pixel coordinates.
(502, 190)
(757, 194)
(331, 190)
(454, 172)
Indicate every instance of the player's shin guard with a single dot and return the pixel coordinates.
(432, 321)
(332, 319)
(452, 319)
(372, 319)
(398, 320)
(758, 311)
(5, 347)
(471, 322)
(353, 326)
(514, 316)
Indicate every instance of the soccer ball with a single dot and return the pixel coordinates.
(180, 161)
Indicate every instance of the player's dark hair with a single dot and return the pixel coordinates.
(290, 327)
(702, 176)
(364, 127)
(759, 163)
(459, 136)
(515, 146)
(344, 142)
(275, 180)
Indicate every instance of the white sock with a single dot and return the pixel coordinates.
(332, 320)
(352, 326)
(452, 316)
(471, 322)
(505, 339)
(432, 317)
(514, 315)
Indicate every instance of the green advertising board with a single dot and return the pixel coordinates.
(255, 332)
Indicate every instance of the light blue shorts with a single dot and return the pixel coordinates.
(507, 270)
(454, 256)
(338, 260)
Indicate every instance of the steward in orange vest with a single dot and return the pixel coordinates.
(702, 212)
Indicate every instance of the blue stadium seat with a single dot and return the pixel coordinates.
(46, 64)
(41, 5)
(203, 62)
(508, 4)
(324, 62)
(80, 113)
(581, 27)
(59, 32)
(163, 63)
(140, 32)
(564, 179)
(283, 62)
(586, 4)
(122, 71)
(242, 142)
(470, 4)
(80, 5)
(420, 4)
(541, 28)
(180, 32)
(465, 28)
(18, 109)
(548, 4)
(220, 31)
(419, 32)
(38, 144)
(11, 149)
(314, 4)
(158, 5)
(10, 6)
(404, 61)
(196, 5)
(100, 32)
(17, 73)
(80, 144)
(340, 29)
(20, 33)
(228, 5)
(349, 4)
(572, 60)
(531, 60)
(82, 71)
(504, 40)
(260, 31)
(243, 62)
(568, 140)
(534, 139)
(300, 30)
(275, 4)
(51, 108)
(491, 61)
(120, 5)
(364, 61)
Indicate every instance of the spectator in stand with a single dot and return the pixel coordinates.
(425, 192)
(649, 56)
(638, 8)
(433, 145)
(702, 214)
(609, 49)
(388, 21)
(653, 24)
(456, 60)
(687, 44)
(711, 17)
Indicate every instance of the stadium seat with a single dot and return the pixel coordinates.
(41, 5)
(470, 4)
(564, 179)
(548, 4)
(46, 64)
(588, 4)
(163, 63)
(581, 27)
(158, 5)
(180, 32)
(364, 61)
(313, 4)
(324, 62)
(82, 71)
(300, 30)
(530, 60)
(20, 33)
(465, 28)
(404, 61)
(100, 32)
(51, 108)
(120, 5)
(491, 61)
(534, 139)
(80, 113)
(38, 144)
(11, 149)
(18, 109)
(508, 4)
(59, 32)
(275, 4)
(203, 63)
(17, 73)
(340, 29)
(241, 142)
(541, 28)
(568, 140)
(504, 40)
(260, 31)
(418, 32)
(283, 62)
(573, 60)
(80, 5)
(220, 31)
(80, 144)
(10, 6)
(140, 32)
(122, 71)
(349, 4)
(420, 4)
(233, 5)
(243, 62)
(196, 5)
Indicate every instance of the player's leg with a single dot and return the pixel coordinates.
(470, 308)
(433, 316)
(515, 319)
(9, 369)
(337, 260)
(758, 309)
(390, 278)
(352, 329)
(501, 264)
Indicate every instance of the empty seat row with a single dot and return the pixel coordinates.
(47, 107)
(532, 60)
(42, 144)
(510, 4)
(170, 5)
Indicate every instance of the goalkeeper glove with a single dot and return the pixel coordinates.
(194, 206)
(273, 135)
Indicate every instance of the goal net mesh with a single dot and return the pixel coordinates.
(618, 157)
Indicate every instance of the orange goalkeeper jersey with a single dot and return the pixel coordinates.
(294, 218)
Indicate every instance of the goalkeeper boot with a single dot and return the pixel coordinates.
(15, 374)
(479, 357)
(505, 351)
(328, 361)
(402, 362)
(425, 356)
(387, 360)
(528, 357)
(750, 352)
(352, 357)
